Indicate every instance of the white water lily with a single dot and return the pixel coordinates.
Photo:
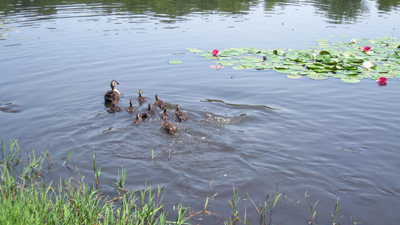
(314, 55)
(369, 64)
(353, 41)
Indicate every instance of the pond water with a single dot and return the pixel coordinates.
(252, 129)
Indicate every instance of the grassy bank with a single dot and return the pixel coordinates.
(26, 198)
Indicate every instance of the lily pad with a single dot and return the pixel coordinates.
(294, 76)
(225, 63)
(239, 67)
(175, 62)
(350, 80)
(194, 50)
(317, 77)
(344, 60)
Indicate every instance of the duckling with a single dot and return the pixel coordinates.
(116, 108)
(168, 126)
(141, 99)
(131, 109)
(138, 119)
(113, 94)
(165, 113)
(149, 112)
(160, 103)
(181, 115)
(144, 115)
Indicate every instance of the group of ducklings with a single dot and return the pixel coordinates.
(113, 95)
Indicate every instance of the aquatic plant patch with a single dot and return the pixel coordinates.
(349, 61)
(175, 62)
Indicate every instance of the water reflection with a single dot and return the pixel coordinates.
(387, 5)
(341, 11)
(337, 11)
(271, 5)
(171, 9)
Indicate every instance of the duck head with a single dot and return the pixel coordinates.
(113, 84)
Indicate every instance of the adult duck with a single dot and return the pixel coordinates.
(113, 94)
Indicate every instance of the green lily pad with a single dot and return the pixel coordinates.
(224, 63)
(175, 62)
(294, 76)
(317, 77)
(350, 80)
(194, 50)
(239, 67)
(344, 60)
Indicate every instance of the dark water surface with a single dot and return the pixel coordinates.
(249, 128)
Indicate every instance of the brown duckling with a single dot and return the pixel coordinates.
(138, 119)
(131, 109)
(160, 103)
(144, 115)
(165, 113)
(149, 112)
(168, 126)
(181, 115)
(141, 99)
(113, 94)
(116, 108)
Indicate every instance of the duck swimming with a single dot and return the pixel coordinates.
(116, 108)
(181, 115)
(113, 94)
(141, 99)
(165, 113)
(138, 119)
(131, 109)
(168, 126)
(160, 103)
(149, 112)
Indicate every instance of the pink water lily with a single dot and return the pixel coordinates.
(366, 49)
(215, 52)
(382, 81)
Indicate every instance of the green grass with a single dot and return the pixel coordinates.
(25, 199)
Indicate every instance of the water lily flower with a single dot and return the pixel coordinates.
(215, 52)
(314, 55)
(366, 49)
(353, 41)
(382, 81)
(369, 64)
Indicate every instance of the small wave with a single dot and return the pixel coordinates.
(223, 120)
(9, 108)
